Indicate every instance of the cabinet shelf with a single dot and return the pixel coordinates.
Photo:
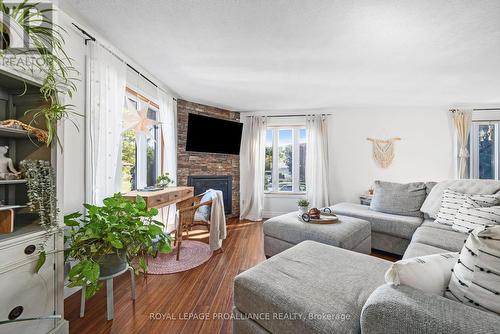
(13, 132)
(7, 182)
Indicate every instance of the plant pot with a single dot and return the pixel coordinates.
(111, 264)
(303, 209)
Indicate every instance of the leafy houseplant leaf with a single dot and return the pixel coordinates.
(42, 257)
(164, 247)
(140, 203)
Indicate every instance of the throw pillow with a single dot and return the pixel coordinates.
(203, 212)
(429, 273)
(432, 203)
(477, 211)
(398, 198)
(450, 204)
(475, 279)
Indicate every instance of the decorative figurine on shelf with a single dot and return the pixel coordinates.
(7, 170)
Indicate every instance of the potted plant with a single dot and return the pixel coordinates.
(108, 238)
(163, 180)
(303, 205)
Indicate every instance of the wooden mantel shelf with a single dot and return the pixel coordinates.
(164, 197)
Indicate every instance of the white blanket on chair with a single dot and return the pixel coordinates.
(217, 221)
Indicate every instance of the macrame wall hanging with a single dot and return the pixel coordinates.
(383, 151)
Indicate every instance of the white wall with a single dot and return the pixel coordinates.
(425, 152)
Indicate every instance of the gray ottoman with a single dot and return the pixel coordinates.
(309, 288)
(285, 231)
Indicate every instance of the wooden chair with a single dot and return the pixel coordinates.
(187, 210)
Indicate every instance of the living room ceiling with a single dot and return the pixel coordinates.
(303, 54)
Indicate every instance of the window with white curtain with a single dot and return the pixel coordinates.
(140, 154)
(484, 150)
(285, 159)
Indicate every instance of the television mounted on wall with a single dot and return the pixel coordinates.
(213, 135)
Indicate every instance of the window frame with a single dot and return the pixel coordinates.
(141, 141)
(295, 158)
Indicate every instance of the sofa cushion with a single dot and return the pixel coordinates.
(401, 309)
(416, 249)
(398, 198)
(432, 203)
(347, 233)
(475, 279)
(396, 225)
(432, 223)
(449, 240)
(324, 286)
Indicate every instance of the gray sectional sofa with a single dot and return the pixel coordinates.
(318, 288)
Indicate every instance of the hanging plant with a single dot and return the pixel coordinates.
(41, 184)
(57, 71)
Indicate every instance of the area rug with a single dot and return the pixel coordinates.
(193, 254)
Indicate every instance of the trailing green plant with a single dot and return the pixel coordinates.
(164, 180)
(303, 203)
(120, 225)
(59, 75)
(41, 189)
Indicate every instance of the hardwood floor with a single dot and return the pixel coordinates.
(205, 289)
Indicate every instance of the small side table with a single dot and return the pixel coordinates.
(365, 199)
(109, 292)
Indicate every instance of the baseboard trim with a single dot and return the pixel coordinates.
(61, 328)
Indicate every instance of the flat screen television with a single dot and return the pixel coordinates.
(213, 135)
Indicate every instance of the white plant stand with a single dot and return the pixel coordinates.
(109, 292)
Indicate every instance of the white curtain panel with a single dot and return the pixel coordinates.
(106, 103)
(168, 119)
(252, 168)
(317, 165)
(462, 120)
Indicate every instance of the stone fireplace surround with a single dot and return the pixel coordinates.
(206, 164)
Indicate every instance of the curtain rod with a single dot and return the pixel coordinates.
(92, 38)
(295, 115)
(479, 109)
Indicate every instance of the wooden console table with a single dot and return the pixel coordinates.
(164, 197)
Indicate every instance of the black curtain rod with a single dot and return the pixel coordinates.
(92, 38)
(480, 109)
(296, 115)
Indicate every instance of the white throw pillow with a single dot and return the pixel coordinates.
(451, 202)
(475, 280)
(203, 212)
(429, 273)
(477, 211)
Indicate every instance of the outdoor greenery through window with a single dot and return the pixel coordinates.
(140, 156)
(285, 159)
(484, 148)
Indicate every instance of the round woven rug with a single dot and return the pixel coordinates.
(193, 254)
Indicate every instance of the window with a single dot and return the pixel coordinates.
(285, 159)
(140, 154)
(484, 148)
